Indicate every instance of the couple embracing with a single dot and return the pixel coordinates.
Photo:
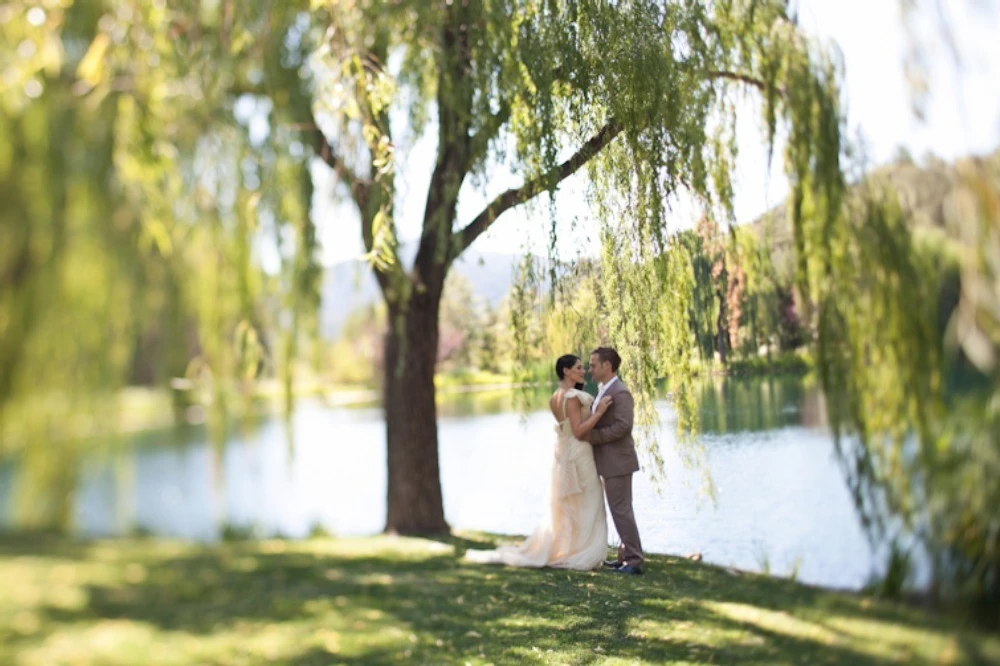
(594, 457)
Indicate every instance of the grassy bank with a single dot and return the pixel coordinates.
(384, 600)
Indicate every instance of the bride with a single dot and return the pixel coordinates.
(574, 535)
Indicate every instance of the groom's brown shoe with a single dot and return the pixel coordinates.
(628, 569)
(613, 564)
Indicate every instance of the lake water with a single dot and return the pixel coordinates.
(781, 502)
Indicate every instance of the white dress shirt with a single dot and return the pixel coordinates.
(601, 390)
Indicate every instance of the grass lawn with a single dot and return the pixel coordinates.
(386, 600)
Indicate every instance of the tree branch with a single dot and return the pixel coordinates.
(358, 186)
(530, 189)
(742, 78)
(455, 96)
(535, 186)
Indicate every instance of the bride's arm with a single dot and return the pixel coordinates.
(574, 411)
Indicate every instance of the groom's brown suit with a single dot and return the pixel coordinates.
(614, 454)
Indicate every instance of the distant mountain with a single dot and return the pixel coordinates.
(350, 285)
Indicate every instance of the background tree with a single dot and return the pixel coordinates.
(713, 243)
(356, 356)
(704, 307)
(461, 326)
(491, 353)
(761, 303)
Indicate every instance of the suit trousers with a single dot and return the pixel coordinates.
(618, 490)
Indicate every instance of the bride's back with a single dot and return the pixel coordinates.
(557, 405)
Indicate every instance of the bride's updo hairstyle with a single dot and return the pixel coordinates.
(564, 363)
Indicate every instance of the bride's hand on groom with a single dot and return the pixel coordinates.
(602, 407)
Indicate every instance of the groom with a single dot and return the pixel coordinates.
(614, 454)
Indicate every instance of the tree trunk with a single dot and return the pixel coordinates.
(414, 493)
(722, 323)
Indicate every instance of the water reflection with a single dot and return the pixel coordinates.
(741, 405)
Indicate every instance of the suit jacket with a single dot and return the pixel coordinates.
(614, 448)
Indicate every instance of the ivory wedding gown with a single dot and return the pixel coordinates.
(575, 533)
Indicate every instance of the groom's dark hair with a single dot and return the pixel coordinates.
(609, 355)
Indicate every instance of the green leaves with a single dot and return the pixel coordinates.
(664, 71)
(91, 68)
(383, 152)
(915, 439)
(383, 253)
(146, 190)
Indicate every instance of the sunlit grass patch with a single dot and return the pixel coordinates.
(386, 600)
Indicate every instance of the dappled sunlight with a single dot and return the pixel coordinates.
(688, 636)
(778, 622)
(895, 640)
(408, 547)
(375, 579)
(384, 600)
(105, 641)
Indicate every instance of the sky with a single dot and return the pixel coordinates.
(962, 117)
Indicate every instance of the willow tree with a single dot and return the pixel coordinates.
(639, 97)
(135, 194)
(920, 456)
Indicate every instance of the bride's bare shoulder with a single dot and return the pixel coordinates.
(564, 394)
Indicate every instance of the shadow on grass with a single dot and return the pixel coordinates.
(381, 606)
(464, 541)
(41, 543)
